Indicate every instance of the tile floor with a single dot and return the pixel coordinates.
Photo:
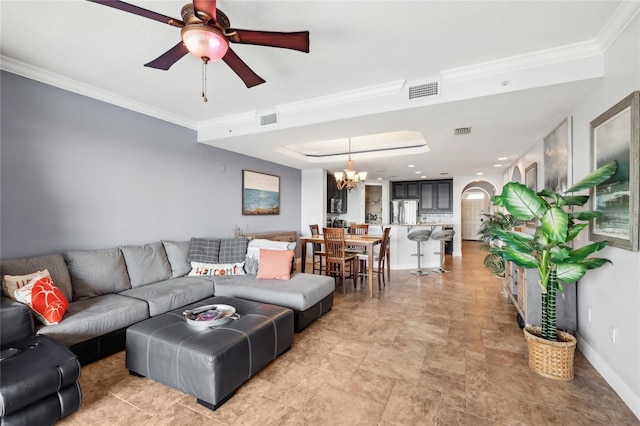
(434, 350)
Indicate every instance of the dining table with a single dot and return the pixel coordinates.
(368, 241)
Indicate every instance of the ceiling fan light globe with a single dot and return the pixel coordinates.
(203, 41)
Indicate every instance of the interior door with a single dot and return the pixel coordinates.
(472, 210)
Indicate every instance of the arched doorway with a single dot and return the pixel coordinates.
(476, 201)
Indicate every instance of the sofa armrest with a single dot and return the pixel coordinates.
(16, 321)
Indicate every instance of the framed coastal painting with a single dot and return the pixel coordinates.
(557, 157)
(531, 182)
(260, 193)
(615, 136)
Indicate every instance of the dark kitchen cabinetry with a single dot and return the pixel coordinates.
(435, 196)
(404, 190)
(336, 199)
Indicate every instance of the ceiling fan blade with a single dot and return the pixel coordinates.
(238, 66)
(136, 10)
(296, 40)
(168, 58)
(206, 6)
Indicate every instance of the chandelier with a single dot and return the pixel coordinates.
(349, 178)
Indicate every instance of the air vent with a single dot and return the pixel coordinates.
(423, 90)
(265, 120)
(462, 131)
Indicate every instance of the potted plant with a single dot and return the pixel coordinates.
(556, 262)
(504, 222)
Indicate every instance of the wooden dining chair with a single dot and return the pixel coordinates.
(318, 252)
(380, 262)
(337, 259)
(358, 229)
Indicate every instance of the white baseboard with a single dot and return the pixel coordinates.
(619, 386)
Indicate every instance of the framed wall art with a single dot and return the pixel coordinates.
(557, 157)
(260, 193)
(531, 182)
(615, 136)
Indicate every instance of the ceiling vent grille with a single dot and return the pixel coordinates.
(424, 90)
(268, 119)
(462, 131)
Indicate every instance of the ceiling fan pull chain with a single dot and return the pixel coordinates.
(204, 80)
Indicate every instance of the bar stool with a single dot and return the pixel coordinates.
(419, 236)
(442, 236)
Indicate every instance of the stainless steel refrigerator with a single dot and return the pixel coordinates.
(404, 212)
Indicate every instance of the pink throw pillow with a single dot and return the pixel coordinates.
(275, 264)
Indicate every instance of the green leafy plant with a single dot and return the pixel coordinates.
(504, 222)
(547, 250)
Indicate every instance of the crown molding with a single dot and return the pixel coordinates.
(56, 80)
(540, 58)
(616, 24)
(342, 98)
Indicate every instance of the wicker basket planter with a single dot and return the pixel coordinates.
(551, 359)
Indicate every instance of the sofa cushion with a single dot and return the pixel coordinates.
(53, 262)
(233, 250)
(97, 272)
(299, 293)
(171, 294)
(204, 250)
(45, 300)
(275, 264)
(252, 260)
(146, 263)
(97, 316)
(198, 269)
(177, 254)
(13, 283)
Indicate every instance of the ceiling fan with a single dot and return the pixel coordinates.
(206, 33)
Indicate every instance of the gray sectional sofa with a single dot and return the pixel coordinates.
(111, 289)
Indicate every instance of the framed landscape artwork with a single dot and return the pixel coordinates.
(531, 182)
(260, 193)
(557, 157)
(614, 136)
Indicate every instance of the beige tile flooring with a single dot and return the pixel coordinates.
(434, 350)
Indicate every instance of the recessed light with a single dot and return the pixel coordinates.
(423, 177)
(418, 172)
(411, 165)
(444, 173)
(378, 178)
(502, 158)
(497, 165)
(479, 174)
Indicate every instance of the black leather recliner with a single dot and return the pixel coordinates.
(38, 375)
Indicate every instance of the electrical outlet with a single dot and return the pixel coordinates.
(612, 333)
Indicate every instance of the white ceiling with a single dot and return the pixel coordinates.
(510, 70)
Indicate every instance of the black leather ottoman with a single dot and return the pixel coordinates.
(209, 364)
(39, 382)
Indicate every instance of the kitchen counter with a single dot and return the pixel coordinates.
(404, 251)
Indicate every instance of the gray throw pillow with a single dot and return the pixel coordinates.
(97, 272)
(204, 250)
(178, 253)
(233, 250)
(146, 263)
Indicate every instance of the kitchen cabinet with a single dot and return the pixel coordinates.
(405, 190)
(523, 290)
(436, 196)
(336, 199)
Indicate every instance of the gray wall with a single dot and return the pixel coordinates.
(76, 173)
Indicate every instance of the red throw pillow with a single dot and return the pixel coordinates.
(45, 299)
(275, 264)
